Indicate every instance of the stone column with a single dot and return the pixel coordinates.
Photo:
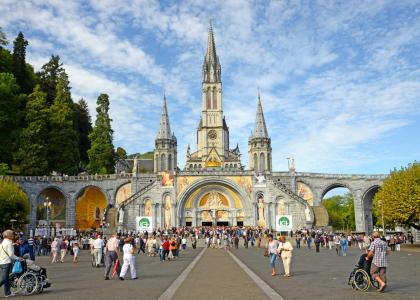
(273, 215)
(141, 210)
(267, 213)
(32, 213)
(198, 217)
(174, 221)
(359, 212)
(71, 210)
(254, 213)
(155, 215)
(194, 217)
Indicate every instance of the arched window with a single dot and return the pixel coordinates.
(269, 161)
(157, 163)
(208, 98)
(214, 98)
(163, 162)
(255, 162)
(262, 162)
(170, 162)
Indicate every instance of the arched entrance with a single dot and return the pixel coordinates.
(367, 200)
(51, 208)
(211, 202)
(90, 205)
(339, 203)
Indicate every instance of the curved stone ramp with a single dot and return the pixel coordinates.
(217, 275)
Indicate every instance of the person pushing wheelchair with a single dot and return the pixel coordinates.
(378, 251)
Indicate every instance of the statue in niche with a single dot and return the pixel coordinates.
(97, 213)
(121, 216)
(260, 178)
(281, 208)
(260, 205)
(168, 211)
(148, 208)
(307, 214)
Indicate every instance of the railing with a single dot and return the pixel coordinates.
(66, 178)
(342, 176)
(286, 190)
(138, 193)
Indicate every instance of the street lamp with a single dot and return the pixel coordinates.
(382, 210)
(47, 205)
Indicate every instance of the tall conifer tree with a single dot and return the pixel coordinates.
(49, 75)
(83, 125)
(63, 152)
(101, 153)
(19, 63)
(33, 151)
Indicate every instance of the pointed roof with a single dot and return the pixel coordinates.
(211, 65)
(260, 129)
(165, 127)
(211, 56)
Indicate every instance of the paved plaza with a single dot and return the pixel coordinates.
(214, 274)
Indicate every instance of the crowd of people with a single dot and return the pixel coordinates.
(118, 252)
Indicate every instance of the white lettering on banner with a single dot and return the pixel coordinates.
(284, 223)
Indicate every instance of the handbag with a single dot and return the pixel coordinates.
(266, 253)
(17, 267)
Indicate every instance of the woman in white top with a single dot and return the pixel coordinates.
(285, 249)
(272, 253)
(54, 250)
(129, 259)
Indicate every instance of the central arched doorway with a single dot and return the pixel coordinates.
(214, 202)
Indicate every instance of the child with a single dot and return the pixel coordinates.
(76, 250)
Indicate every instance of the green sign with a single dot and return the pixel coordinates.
(284, 221)
(144, 222)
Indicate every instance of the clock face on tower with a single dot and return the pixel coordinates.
(212, 135)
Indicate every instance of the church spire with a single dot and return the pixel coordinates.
(260, 130)
(211, 66)
(165, 127)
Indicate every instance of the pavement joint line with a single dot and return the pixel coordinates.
(171, 290)
(271, 293)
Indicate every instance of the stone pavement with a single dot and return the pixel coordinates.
(218, 276)
(324, 275)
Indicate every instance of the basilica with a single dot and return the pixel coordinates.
(214, 188)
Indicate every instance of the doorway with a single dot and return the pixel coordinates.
(222, 223)
(206, 223)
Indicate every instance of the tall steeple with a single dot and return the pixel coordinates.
(260, 129)
(165, 127)
(211, 65)
(165, 144)
(259, 143)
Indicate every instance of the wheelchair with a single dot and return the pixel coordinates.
(29, 281)
(360, 279)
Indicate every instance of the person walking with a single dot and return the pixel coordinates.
(6, 256)
(378, 249)
(98, 245)
(63, 249)
(54, 250)
(317, 242)
(76, 250)
(298, 239)
(271, 251)
(343, 244)
(129, 259)
(285, 249)
(111, 254)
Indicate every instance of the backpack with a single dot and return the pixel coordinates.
(63, 245)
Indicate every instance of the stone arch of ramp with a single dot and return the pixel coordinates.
(57, 212)
(91, 202)
(367, 202)
(223, 182)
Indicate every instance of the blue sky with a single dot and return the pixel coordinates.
(339, 80)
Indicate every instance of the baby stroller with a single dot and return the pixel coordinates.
(33, 279)
(360, 278)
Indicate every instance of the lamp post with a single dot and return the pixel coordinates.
(47, 205)
(382, 210)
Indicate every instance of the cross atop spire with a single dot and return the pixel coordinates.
(165, 127)
(211, 66)
(260, 130)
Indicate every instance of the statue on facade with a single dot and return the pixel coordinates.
(260, 205)
(135, 166)
(291, 163)
(121, 216)
(307, 214)
(168, 212)
(260, 178)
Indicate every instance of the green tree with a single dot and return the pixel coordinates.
(63, 150)
(340, 211)
(10, 116)
(83, 125)
(4, 168)
(400, 197)
(19, 63)
(121, 153)
(101, 154)
(49, 75)
(3, 39)
(14, 204)
(32, 156)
